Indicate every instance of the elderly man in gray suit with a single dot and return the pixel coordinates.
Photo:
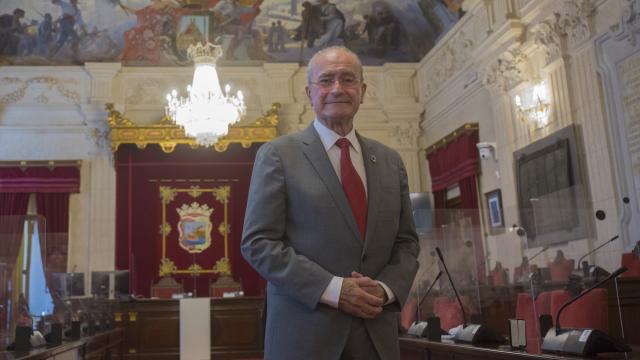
(329, 225)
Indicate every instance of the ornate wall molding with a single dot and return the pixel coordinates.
(448, 60)
(507, 71)
(549, 37)
(629, 25)
(574, 20)
(43, 87)
(406, 133)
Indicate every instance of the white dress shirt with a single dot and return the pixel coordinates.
(331, 295)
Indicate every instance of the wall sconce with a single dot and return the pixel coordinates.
(533, 105)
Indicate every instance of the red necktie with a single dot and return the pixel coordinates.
(352, 186)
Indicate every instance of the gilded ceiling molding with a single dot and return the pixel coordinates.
(167, 134)
(464, 129)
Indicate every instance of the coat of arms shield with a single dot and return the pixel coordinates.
(194, 227)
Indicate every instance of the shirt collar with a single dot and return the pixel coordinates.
(329, 137)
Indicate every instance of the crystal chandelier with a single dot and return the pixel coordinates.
(207, 112)
(534, 106)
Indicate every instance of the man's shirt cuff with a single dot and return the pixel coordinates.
(391, 297)
(331, 295)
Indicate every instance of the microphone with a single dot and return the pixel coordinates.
(583, 342)
(594, 250)
(431, 327)
(471, 333)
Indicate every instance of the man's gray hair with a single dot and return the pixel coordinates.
(314, 58)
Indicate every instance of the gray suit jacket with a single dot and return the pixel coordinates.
(299, 232)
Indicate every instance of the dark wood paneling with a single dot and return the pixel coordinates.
(152, 328)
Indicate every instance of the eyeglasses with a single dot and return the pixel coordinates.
(345, 82)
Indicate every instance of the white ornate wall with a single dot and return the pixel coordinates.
(496, 50)
(57, 113)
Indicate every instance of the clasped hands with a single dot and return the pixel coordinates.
(361, 296)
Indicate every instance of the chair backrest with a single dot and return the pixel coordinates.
(632, 262)
(223, 284)
(408, 313)
(560, 271)
(530, 312)
(499, 277)
(519, 275)
(166, 287)
(449, 312)
(589, 312)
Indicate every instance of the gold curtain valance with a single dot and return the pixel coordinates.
(464, 129)
(167, 134)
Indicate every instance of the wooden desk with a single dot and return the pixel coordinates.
(420, 349)
(152, 328)
(106, 345)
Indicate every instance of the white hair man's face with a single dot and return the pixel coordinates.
(336, 89)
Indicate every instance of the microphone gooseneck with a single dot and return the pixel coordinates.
(594, 250)
(539, 252)
(613, 275)
(424, 297)
(444, 266)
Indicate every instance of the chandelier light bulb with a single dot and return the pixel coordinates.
(206, 113)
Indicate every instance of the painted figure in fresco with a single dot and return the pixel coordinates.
(333, 21)
(71, 16)
(11, 28)
(228, 15)
(271, 37)
(311, 27)
(282, 35)
(153, 38)
(45, 35)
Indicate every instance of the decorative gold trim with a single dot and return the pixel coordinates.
(167, 134)
(133, 316)
(464, 129)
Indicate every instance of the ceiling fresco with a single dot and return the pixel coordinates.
(158, 32)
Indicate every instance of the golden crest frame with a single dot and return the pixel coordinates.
(221, 194)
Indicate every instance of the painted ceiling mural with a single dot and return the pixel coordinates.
(158, 32)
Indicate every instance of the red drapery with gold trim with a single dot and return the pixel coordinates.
(140, 174)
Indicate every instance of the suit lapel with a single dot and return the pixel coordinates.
(372, 168)
(316, 154)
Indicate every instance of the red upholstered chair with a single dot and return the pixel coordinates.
(591, 311)
(222, 285)
(448, 310)
(519, 274)
(560, 271)
(632, 262)
(166, 287)
(408, 313)
(530, 312)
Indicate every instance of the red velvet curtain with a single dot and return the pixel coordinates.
(139, 175)
(64, 179)
(454, 162)
(458, 163)
(52, 187)
(13, 208)
(54, 207)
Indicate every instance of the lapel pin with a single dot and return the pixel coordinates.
(373, 159)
